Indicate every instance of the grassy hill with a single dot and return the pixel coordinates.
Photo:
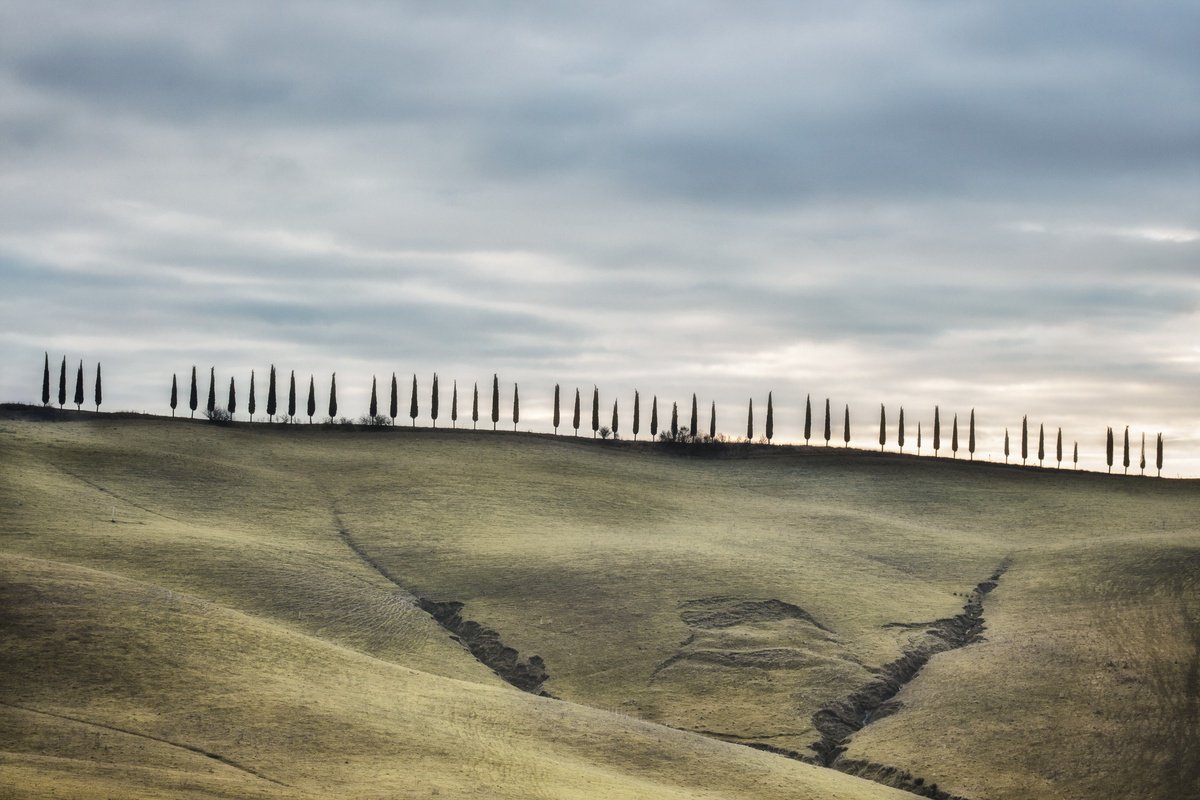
(253, 618)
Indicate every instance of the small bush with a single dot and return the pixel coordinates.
(605, 432)
(377, 421)
(219, 416)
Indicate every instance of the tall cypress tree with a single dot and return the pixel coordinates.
(1126, 459)
(828, 424)
(333, 396)
(454, 404)
(1143, 461)
(1058, 448)
(79, 388)
(1108, 449)
(807, 418)
(495, 400)
(373, 408)
(918, 437)
(882, 427)
(971, 436)
(750, 421)
(770, 431)
(212, 391)
(62, 383)
(694, 428)
(1006, 445)
(292, 396)
(653, 416)
(174, 394)
(433, 401)
(954, 437)
(575, 416)
(937, 430)
(1024, 439)
(595, 410)
(100, 394)
(900, 430)
(1041, 443)
(232, 404)
(412, 403)
(557, 417)
(250, 398)
(46, 382)
(475, 407)
(1158, 454)
(615, 419)
(193, 399)
(846, 427)
(1075, 455)
(516, 406)
(272, 405)
(637, 415)
(394, 401)
(674, 422)
(712, 422)
(311, 406)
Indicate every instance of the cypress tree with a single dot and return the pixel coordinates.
(292, 396)
(212, 390)
(1108, 449)
(750, 421)
(846, 427)
(828, 424)
(557, 417)
(1058, 448)
(615, 420)
(595, 410)
(694, 428)
(272, 406)
(250, 399)
(100, 395)
(653, 416)
(193, 400)
(882, 427)
(575, 416)
(232, 404)
(62, 383)
(1041, 443)
(1143, 461)
(516, 406)
(1075, 455)
(1158, 454)
(770, 428)
(454, 404)
(475, 406)
(433, 401)
(954, 437)
(1006, 445)
(79, 388)
(637, 416)
(937, 430)
(495, 400)
(674, 422)
(918, 437)
(807, 418)
(412, 404)
(174, 394)
(1024, 439)
(971, 436)
(1126, 459)
(394, 401)
(712, 422)
(373, 409)
(311, 407)
(333, 396)
(46, 382)
(900, 430)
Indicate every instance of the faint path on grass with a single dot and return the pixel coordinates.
(116, 496)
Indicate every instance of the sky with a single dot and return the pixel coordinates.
(988, 204)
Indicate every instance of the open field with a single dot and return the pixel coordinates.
(250, 619)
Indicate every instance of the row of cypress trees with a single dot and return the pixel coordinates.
(62, 385)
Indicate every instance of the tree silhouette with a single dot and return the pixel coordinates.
(1108, 449)
(1158, 454)
(1041, 443)
(595, 410)
(62, 384)
(615, 420)
(212, 391)
(46, 382)
(1006, 445)
(918, 437)
(954, 437)
(807, 418)
(394, 401)
(556, 415)
(292, 395)
(882, 427)
(373, 408)
(412, 403)
(674, 422)
(1058, 448)
(475, 406)
(100, 395)
(750, 421)
(1126, 459)
(770, 426)
(1075, 455)
(575, 416)
(311, 406)
(250, 398)
(971, 436)
(433, 401)
(1143, 461)
(79, 388)
(637, 421)
(937, 430)
(712, 421)
(174, 394)
(846, 427)
(272, 406)
(828, 424)
(495, 400)
(516, 406)
(653, 416)
(454, 404)
(694, 428)
(333, 396)
(232, 404)
(1024, 439)
(900, 430)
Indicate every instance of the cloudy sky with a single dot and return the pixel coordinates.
(991, 204)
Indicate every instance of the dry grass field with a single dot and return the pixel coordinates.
(190, 610)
